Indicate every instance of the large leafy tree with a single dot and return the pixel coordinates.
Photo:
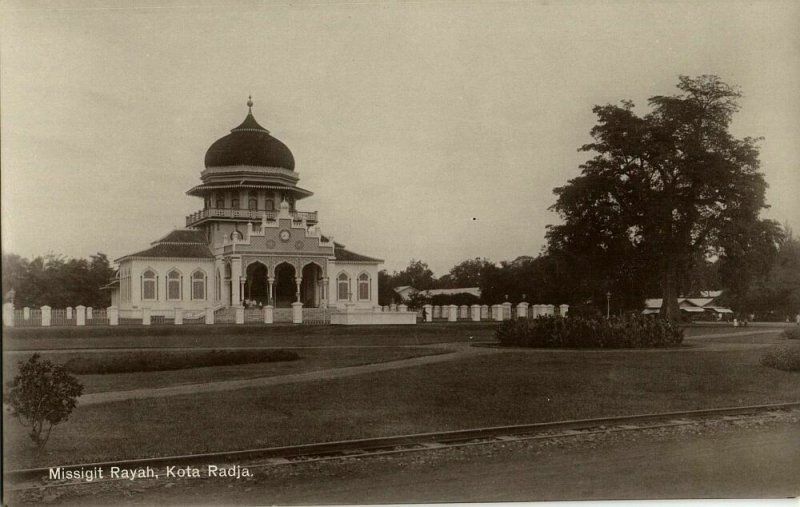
(662, 190)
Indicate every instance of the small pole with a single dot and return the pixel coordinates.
(608, 305)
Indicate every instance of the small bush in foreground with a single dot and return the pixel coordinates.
(630, 331)
(161, 361)
(42, 392)
(793, 333)
(782, 357)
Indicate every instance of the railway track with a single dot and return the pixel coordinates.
(37, 478)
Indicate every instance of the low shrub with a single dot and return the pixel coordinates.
(162, 361)
(793, 333)
(628, 331)
(783, 357)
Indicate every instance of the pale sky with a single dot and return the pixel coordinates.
(432, 130)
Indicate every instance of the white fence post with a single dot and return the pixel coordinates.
(145, 316)
(297, 313)
(463, 312)
(475, 313)
(46, 316)
(497, 312)
(69, 313)
(549, 310)
(239, 315)
(80, 315)
(522, 310)
(26, 313)
(8, 314)
(89, 313)
(428, 312)
(269, 315)
(452, 313)
(402, 308)
(485, 312)
(209, 315)
(506, 310)
(113, 315)
(563, 310)
(178, 316)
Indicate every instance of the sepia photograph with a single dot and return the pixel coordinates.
(340, 252)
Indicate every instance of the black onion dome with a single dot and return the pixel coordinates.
(249, 144)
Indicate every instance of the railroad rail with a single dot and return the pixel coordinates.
(305, 453)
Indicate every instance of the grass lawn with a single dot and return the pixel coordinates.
(496, 389)
(246, 336)
(310, 360)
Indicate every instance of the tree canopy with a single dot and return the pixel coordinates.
(661, 191)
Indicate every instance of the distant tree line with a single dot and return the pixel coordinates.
(57, 281)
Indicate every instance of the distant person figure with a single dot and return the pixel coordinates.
(424, 314)
(797, 318)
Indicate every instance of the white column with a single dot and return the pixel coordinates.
(563, 310)
(209, 315)
(8, 314)
(80, 315)
(178, 316)
(113, 315)
(46, 316)
(324, 301)
(428, 313)
(452, 313)
(145, 316)
(239, 315)
(297, 313)
(298, 280)
(269, 315)
(522, 310)
(475, 313)
(236, 281)
(271, 298)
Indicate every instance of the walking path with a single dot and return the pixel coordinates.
(458, 351)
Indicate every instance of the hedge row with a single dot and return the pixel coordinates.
(162, 361)
(630, 331)
(783, 357)
(793, 333)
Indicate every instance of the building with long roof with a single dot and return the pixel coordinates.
(249, 244)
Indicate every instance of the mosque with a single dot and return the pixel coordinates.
(249, 244)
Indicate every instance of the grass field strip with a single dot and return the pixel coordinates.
(18, 480)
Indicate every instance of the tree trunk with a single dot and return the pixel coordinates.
(669, 292)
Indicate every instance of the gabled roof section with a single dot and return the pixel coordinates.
(180, 243)
(344, 255)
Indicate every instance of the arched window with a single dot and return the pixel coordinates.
(236, 235)
(343, 284)
(252, 201)
(149, 285)
(363, 287)
(270, 205)
(174, 285)
(235, 201)
(198, 285)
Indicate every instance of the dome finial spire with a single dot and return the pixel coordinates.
(250, 103)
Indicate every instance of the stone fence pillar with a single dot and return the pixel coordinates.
(8, 314)
(549, 310)
(475, 313)
(46, 316)
(113, 315)
(463, 312)
(507, 310)
(297, 313)
(428, 311)
(145, 316)
(269, 315)
(392, 308)
(80, 315)
(209, 315)
(89, 313)
(452, 313)
(69, 313)
(485, 312)
(522, 310)
(26, 313)
(402, 308)
(563, 310)
(497, 312)
(178, 316)
(239, 315)
(437, 312)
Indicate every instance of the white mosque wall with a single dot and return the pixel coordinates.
(353, 270)
(132, 303)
